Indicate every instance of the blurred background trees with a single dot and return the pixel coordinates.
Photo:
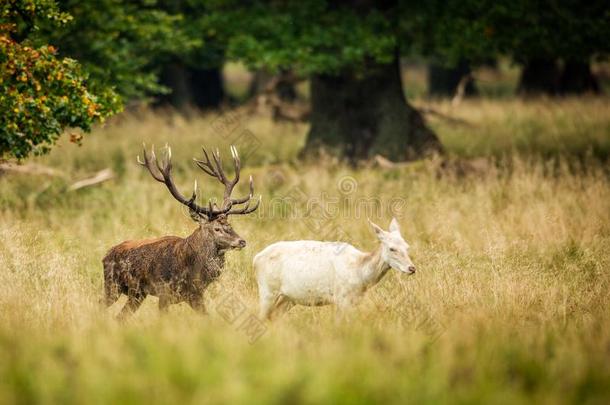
(351, 52)
(120, 43)
(193, 73)
(172, 53)
(553, 41)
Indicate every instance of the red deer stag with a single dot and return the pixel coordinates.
(172, 268)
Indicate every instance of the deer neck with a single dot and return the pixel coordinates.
(201, 241)
(373, 268)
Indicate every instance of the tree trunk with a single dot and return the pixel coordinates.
(175, 76)
(191, 87)
(540, 76)
(443, 81)
(358, 117)
(284, 88)
(207, 87)
(577, 78)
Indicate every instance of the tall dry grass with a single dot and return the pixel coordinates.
(510, 303)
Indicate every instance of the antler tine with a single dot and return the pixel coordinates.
(236, 163)
(213, 167)
(194, 196)
(235, 155)
(219, 169)
(166, 167)
(246, 209)
(147, 164)
(168, 155)
(155, 160)
(141, 163)
(200, 164)
(229, 185)
(260, 198)
(246, 198)
(164, 176)
(206, 165)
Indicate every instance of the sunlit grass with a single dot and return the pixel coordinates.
(510, 302)
(543, 128)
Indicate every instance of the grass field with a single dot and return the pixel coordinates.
(510, 234)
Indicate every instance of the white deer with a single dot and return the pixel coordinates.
(310, 272)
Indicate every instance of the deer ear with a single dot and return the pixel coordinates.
(394, 227)
(194, 215)
(378, 231)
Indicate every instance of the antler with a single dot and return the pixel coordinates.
(162, 173)
(214, 168)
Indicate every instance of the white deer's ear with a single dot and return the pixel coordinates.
(378, 231)
(394, 227)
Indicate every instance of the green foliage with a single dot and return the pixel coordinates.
(45, 90)
(118, 42)
(201, 46)
(311, 37)
(565, 29)
(478, 30)
(41, 93)
(325, 37)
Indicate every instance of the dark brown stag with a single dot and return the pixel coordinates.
(172, 268)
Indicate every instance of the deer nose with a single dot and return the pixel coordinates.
(242, 243)
(412, 269)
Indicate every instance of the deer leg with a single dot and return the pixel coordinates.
(280, 307)
(164, 302)
(133, 303)
(196, 302)
(273, 306)
(346, 306)
(111, 287)
(267, 300)
(111, 292)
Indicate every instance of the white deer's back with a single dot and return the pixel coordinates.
(307, 271)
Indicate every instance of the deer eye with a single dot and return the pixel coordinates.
(392, 250)
(217, 229)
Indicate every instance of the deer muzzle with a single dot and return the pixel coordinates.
(239, 244)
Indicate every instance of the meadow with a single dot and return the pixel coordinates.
(510, 232)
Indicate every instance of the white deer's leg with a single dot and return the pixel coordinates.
(266, 304)
(266, 299)
(281, 306)
(346, 304)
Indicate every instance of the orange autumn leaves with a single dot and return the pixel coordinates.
(41, 94)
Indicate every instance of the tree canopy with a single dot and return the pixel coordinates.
(118, 42)
(40, 92)
(521, 29)
(74, 66)
(326, 36)
(309, 37)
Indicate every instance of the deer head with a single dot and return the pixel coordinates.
(394, 249)
(212, 219)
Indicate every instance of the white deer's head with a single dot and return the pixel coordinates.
(394, 249)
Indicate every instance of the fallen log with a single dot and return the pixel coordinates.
(31, 168)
